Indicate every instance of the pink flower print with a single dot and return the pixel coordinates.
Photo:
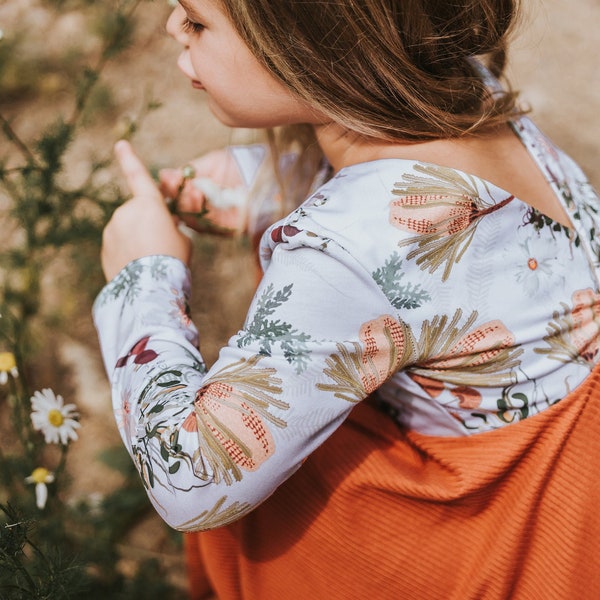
(467, 397)
(123, 415)
(190, 423)
(234, 425)
(432, 214)
(140, 354)
(383, 339)
(182, 310)
(477, 347)
(586, 323)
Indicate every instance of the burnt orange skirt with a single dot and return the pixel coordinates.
(380, 513)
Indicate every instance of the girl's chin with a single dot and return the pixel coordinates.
(245, 120)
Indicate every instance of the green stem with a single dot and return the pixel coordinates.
(16, 410)
(5, 471)
(15, 587)
(21, 391)
(39, 553)
(18, 566)
(62, 462)
(97, 69)
(12, 136)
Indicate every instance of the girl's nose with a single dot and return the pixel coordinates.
(174, 25)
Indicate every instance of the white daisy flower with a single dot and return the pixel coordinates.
(8, 366)
(56, 420)
(538, 267)
(41, 477)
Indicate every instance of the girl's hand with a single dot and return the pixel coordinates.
(213, 198)
(143, 226)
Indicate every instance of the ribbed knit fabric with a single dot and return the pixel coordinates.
(378, 513)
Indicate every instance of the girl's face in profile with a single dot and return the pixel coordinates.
(241, 92)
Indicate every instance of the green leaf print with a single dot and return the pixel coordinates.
(163, 404)
(269, 332)
(158, 268)
(400, 295)
(508, 411)
(127, 282)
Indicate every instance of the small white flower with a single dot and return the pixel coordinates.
(8, 366)
(41, 477)
(538, 265)
(56, 420)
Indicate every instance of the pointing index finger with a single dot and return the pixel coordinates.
(138, 178)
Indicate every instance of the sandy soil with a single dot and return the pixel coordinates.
(554, 64)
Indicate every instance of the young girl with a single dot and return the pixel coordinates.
(411, 409)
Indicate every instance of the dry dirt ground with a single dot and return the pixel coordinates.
(554, 63)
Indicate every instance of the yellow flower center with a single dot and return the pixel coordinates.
(55, 417)
(7, 361)
(40, 475)
(532, 264)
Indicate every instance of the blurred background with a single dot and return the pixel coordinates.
(75, 76)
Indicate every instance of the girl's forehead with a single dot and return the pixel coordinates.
(202, 8)
(191, 5)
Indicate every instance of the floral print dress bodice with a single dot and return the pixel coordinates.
(453, 304)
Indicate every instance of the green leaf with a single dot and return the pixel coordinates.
(164, 453)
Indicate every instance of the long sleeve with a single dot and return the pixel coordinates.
(381, 280)
(211, 445)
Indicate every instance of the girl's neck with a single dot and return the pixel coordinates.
(497, 156)
(343, 148)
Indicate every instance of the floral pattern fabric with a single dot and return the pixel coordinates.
(459, 306)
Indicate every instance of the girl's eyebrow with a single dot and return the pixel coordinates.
(187, 7)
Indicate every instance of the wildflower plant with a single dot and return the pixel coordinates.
(51, 545)
(8, 366)
(56, 420)
(40, 477)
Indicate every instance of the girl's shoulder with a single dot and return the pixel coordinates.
(400, 196)
(375, 212)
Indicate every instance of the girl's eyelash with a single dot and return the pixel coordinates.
(191, 27)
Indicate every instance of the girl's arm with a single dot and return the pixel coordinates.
(210, 446)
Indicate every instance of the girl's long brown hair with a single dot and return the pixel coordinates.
(389, 69)
(395, 70)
